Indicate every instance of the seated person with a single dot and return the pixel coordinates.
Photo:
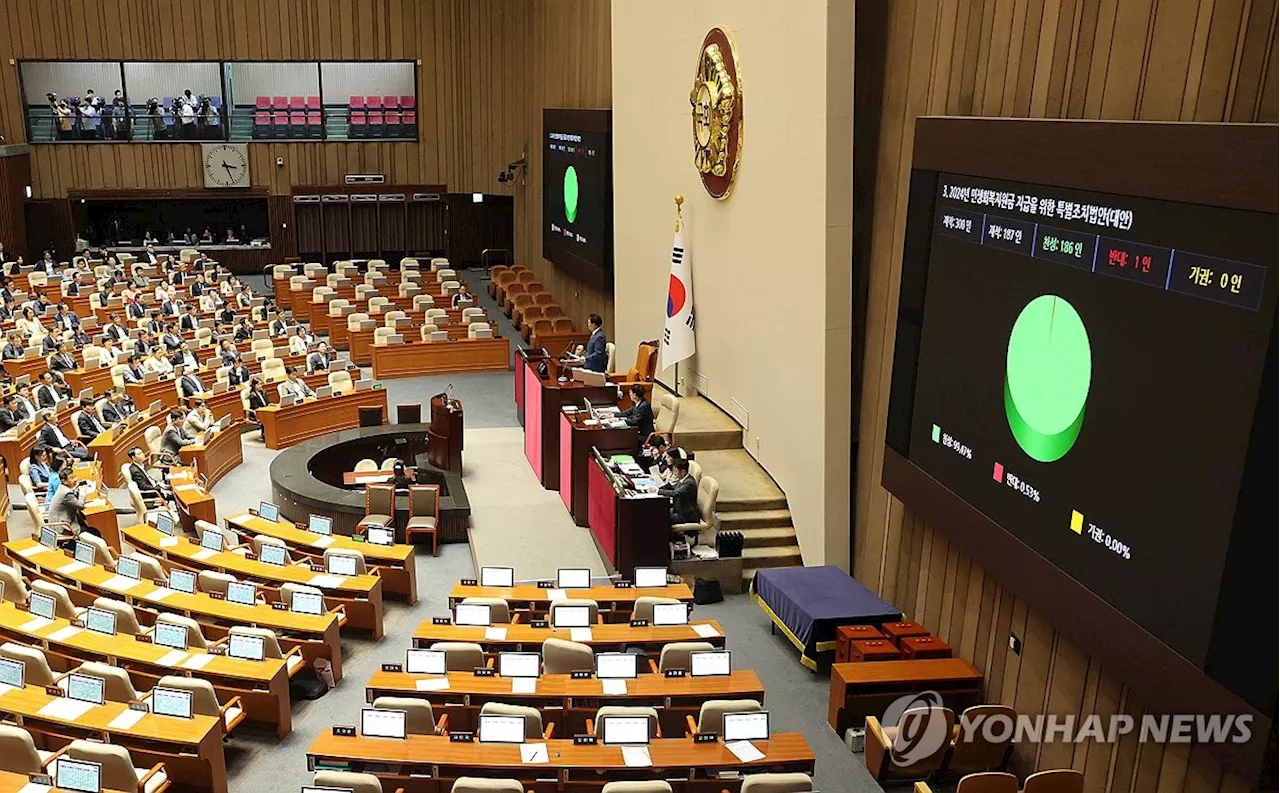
(133, 369)
(49, 392)
(150, 487)
(157, 363)
(640, 414)
(186, 358)
(9, 417)
(319, 360)
(117, 407)
(15, 348)
(462, 298)
(61, 360)
(244, 331)
(88, 425)
(52, 436)
(39, 469)
(174, 437)
(238, 374)
(295, 385)
(683, 493)
(199, 419)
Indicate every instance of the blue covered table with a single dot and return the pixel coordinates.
(809, 603)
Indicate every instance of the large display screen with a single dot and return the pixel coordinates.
(577, 192)
(1087, 374)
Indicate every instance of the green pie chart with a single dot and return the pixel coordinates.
(570, 193)
(1047, 374)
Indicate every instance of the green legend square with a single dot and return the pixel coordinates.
(937, 433)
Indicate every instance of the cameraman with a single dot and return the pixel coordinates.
(61, 117)
(156, 118)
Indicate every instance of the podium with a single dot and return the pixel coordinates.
(444, 436)
(630, 529)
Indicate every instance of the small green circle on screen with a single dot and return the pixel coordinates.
(1047, 375)
(570, 193)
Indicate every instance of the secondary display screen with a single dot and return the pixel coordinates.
(306, 603)
(167, 634)
(497, 576)
(577, 190)
(1087, 373)
(182, 581)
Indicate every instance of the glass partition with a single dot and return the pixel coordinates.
(275, 100)
(370, 100)
(73, 100)
(175, 101)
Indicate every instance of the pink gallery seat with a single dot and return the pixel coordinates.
(357, 103)
(262, 103)
(408, 102)
(313, 103)
(296, 103)
(390, 102)
(279, 103)
(373, 102)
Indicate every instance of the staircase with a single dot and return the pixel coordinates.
(750, 502)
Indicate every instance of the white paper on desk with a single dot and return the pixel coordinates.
(203, 553)
(614, 687)
(172, 658)
(35, 624)
(554, 595)
(524, 685)
(72, 567)
(159, 593)
(580, 634)
(745, 751)
(33, 787)
(97, 502)
(65, 709)
(197, 661)
(240, 518)
(187, 486)
(169, 542)
(323, 581)
(433, 684)
(323, 542)
(533, 752)
(120, 583)
(27, 553)
(62, 634)
(495, 634)
(5, 688)
(705, 631)
(636, 756)
(126, 720)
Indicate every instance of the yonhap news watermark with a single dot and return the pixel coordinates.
(922, 725)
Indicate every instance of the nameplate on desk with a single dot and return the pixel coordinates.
(546, 585)
(483, 671)
(623, 585)
(639, 623)
(278, 606)
(705, 737)
(344, 732)
(673, 673)
(141, 707)
(145, 638)
(441, 620)
(393, 667)
(250, 557)
(470, 582)
(317, 568)
(78, 623)
(580, 674)
(40, 779)
(218, 595)
(54, 691)
(584, 740)
(539, 624)
(461, 737)
(216, 649)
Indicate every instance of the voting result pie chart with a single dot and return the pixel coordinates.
(1047, 373)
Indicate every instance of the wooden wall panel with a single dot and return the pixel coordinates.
(15, 175)
(1171, 60)
(487, 68)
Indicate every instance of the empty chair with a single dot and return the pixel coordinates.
(532, 718)
(36, 666)
(340, 382)
(479, 330)
(644, 607)
(15, 590)
(980, 753)
(591, 604)
(195, 637)
(348, 780)
(1060, 780)
(560, 657)
(472, 314)
(711, 714)
(357, 127)
(344, 552)
(379, 506)
(794, 782)
(423, 302)
(126, 618)
(280, 124)
(119, 688)
(118, 770)
(63, 608)
(366, 465)
(499, 611)
(988, 782)
(279, 103)
(214, 581)
(458, 656)
(880, 742)
(637, 786)
(424, 514)
(18, 753)
(420, 720)
(377, 127)
(102, 552)
(270, 644)
(473, 784)
(666, 412)
(204, 700)
(620, 710)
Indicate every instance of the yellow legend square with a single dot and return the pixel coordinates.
(1077, 522)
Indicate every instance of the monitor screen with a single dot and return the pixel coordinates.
(573, 578)
(171, 702)
(670, 614)
(182, 581)
(382, 723)
(709, 663)
(519, 664)
(319, 524)
(84, 552)
(81, 776)
(426, 662)
(577, 192)
(86, 688)
(617, 666)
(624, 729)
(241, 593)
(572, 616)
(378, 535)
(100, 621)
(471, 614)
(129, 567)
(273, 554)
(306, 603)
(249, 648)
(48, 538)
(341, 564)
(212, 540)
(167, 634)
(164, 523)
(12, 673)
(650, 577)
(497, 576)
(268, 511)
(746, 726)
(40, 605)
(501, 729)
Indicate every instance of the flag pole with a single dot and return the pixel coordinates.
(679, 218)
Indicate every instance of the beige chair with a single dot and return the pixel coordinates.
(499, 612)
(149, 566)
(230, 540)
(695, 470)
(195, 636)
(460, 656)
(214, 581)
(259, 540)
(1061, 780)
(479, 330)
(472, 314)
(980, 754)
(18, 753)
(666, 412)
(118, 770)
(472, 784)
(711, 714)
(436, 316)
(388, 463)
(314, 270)
(366, 465)
(15, 589)
(446, 273)
(102, 553)
(382, 336)
(204, 700)
(426, 330)
(594, 607)
(379, 505)
(533, 729)
(794, 782)
(560, 657)
(644, 607)
(348, 780)
(636, 786)
(423, 302)
(705, 528)
(880, 740)
(419, 720)
(340, 382)
(611, 353)
(126, 618)
(204, 337)
(329, 553)
(378, 304)
(36, 670)
(988, 782)
(408, 288)
(391, 317)
(593, 725)
(676, 655)
(118, 688)
(273, 370)
(63, 608)
(354, 320)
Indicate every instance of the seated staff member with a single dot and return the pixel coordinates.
(319, 360)
(683, 493)
(52, 436)
(295, 386)
(148, 486)
(640, 414)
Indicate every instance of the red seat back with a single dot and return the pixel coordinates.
(373, 102)
(262, 103)
(279, 103)
(296, 103)
(356, 102)
(408, 102)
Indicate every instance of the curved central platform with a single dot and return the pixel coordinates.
(307, 478)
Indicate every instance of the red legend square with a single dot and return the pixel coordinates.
(997, 473)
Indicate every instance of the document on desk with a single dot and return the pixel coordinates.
(705, 631)
(242, 518)
(169, 542)
(35, 624)
(35, 550)
(614, 687)
(533, 753)
(72, 567)
(745, 751)
(62, 634)
(636, 756)
(554, 595)
(495, 634)
(580, 634)
(34, 787)
(203, 553)
(171, 658)
(197, 661)
(433, 684)
(323, 542)
(97, 502)
(185, 487)
(159, 593)
(524, 685)
(5, 688)
(323, 581)
(64, 709)
(120, 583)
(126, 720)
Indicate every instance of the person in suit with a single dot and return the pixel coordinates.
(228, 354)
(52, 436)
(198, 287)
(61, 360)
(42, 305)
(238, 374)
(7, 288)
(47, 392)
(6, 308)
(144, 343)
(640, 414)
(186, 320)
(171, 339)
(227, 317)
(157, 363)
(174, 437)
(8, 413)
(244, 331)
(319, 360)
(148, 486)
(67, 504)
(463, 297)
(596, 358)
(186, 357)
(26, 409)
(279, 327)
(199, 419)
(117, 407)
(191, 384)
(135, 310)
(88, 425)
(49, 344)
(114, 330)
(150, 255)
(133, 370)
(295, 385)
(65, 318)
(683, 493)
(154, 325)
(15, 348)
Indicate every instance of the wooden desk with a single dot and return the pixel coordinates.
(916, 648)
(615, 604)
(99, 379)
(630, 529)
(226, 403)
(219, 455)
(433, 762)
(360, 596)
(32, 367)
(15, 448)
(577, 438)
(285, 426)
(543, 398)
(417, 358)
(112, 447)
(859, 690)
(316, 636)
(194, 502)
(17, 783)
(143, 394)
(360, 342)
(263, 686)
(568, 702)
(394, 563)
(191, 749)
(603, 637)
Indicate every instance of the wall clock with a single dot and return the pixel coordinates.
(225, 164)
(716, 100)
